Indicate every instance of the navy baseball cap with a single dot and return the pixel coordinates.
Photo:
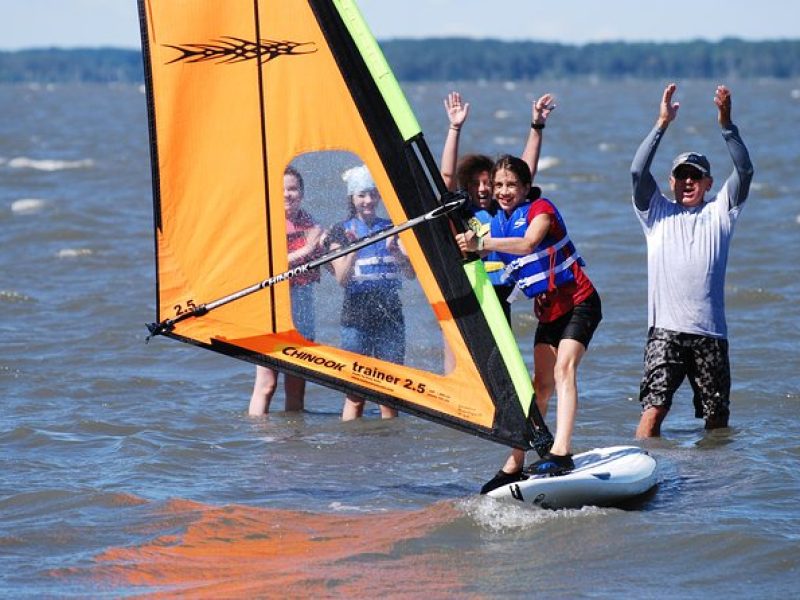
(693, 159)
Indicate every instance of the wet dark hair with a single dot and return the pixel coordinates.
(520, 168)
(470, 165)
(290, 170)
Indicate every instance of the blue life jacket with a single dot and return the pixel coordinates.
(374, 268)
(548, 266)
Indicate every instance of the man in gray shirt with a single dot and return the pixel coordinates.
(687, 254)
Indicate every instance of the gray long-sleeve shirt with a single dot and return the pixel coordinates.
(687, 248)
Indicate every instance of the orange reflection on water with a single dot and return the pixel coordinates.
(239, 551)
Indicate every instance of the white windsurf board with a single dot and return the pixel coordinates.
(602, 477)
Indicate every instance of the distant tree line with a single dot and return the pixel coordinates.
(56, 65)
(468, 59)
(460, 59)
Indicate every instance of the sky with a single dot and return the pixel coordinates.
(92, 23)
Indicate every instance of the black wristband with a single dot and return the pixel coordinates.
(537, 125)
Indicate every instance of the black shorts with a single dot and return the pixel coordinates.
(579, 324)
(670, 356)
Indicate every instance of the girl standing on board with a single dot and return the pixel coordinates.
(303, 237)
(531, 238)
(372, 314)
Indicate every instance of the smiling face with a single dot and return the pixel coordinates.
(689, 185)
(474, 175)
(479, 189)
(292, 194)
(509, 191)
(365, 204)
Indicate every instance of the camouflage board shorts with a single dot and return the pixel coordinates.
(670, 356)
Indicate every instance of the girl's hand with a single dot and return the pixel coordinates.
(467, 241)
(457, 110)
(542, 108)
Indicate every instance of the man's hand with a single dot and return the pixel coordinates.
(669, 109)
(722, 98)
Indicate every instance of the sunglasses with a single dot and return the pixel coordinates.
(690, 172)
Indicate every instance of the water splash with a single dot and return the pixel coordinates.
(502, 516)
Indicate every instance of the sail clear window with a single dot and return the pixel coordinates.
(368, 302)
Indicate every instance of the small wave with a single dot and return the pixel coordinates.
(586, 177)
(503, 140)
(38, 87)
(753, 296)
(13, 297)
(26, 206)
(795, 94)
(56, 500)
(340, 507)
(502, 114)
(548, 162)
(9, 372)
(74, 252)
(22, 162)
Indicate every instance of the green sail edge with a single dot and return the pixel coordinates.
(506, 342)
(378, 68)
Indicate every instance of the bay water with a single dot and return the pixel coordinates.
(133, 470)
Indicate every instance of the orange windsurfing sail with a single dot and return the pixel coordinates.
(268, 121)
